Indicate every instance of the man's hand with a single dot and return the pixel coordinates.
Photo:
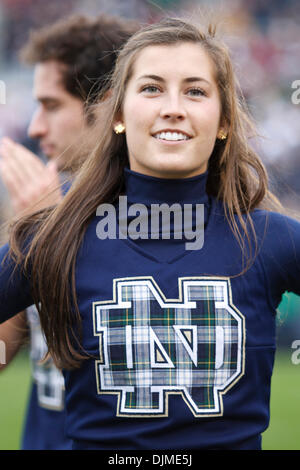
(31, 184)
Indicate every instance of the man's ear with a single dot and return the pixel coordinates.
(107, 94)
(93, 109)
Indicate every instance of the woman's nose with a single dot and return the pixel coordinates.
(173, 108)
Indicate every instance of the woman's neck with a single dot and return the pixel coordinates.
(147, 190)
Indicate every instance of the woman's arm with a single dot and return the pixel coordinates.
(13, 333)
(15, 291)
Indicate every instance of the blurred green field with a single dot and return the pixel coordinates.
(284, 430)
(283, 433)
(14, 390)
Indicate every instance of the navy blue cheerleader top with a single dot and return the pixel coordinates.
(183, 344)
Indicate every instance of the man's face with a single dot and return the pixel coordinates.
(59, 120)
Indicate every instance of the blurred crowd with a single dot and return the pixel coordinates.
(262, 34)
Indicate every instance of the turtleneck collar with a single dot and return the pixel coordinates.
(143, 190)
(147, 190)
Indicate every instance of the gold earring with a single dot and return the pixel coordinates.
(119, 128)
(222, 135)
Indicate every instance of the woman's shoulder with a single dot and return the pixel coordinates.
(271, 227)
(261, 217)
(275, 222)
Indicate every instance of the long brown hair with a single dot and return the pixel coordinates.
(236, 176)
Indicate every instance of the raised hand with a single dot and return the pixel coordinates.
(31, 184)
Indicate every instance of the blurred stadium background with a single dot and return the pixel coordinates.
(265, 42)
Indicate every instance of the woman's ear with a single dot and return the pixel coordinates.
(119, 127)
(222, 135)
(223, 131)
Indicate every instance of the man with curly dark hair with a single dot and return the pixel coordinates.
(72, 60)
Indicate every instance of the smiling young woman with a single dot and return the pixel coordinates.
(171, 111)
(163, 348)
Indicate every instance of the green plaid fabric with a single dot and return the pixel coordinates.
(151, 346)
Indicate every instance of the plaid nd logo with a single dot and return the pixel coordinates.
(151, 346)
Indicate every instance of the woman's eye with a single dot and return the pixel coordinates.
(196, 92)
(151, 89)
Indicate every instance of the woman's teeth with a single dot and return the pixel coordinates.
(171, 136)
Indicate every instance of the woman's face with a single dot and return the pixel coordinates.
(171, 111)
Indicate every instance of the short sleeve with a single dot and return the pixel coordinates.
(279, 250)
